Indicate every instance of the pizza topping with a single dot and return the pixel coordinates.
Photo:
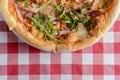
(58, 18)
(23, 2)
(95, 13)
(33, 10)
(38, 1)
(45, 25)
(106, 4)
(20, 17)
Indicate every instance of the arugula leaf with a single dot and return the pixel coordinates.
(40, 5)
(47, 34)
(106, 4)
(25, 2)
(72, 19)
(83, 10)
(88, 25)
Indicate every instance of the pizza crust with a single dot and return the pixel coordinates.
(6, 14)
(19, 29)
(49, 46)
(111, 17)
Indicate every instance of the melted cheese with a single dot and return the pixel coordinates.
(97, 4)
(82, 32)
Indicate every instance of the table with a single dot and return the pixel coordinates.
(19, 61)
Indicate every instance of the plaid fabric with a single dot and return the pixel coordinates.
(19, 61)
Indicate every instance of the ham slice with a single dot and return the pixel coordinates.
(19, 14)
(33, 10)
(38, 1)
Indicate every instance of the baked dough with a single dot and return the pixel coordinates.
(73, 42)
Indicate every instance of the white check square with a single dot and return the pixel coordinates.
(23, 77)
(1, 19)
(66, 58)
(87, 77)
(44, 77)
(87, 59)
(23, 59)
(108, 37)
(3, 77)
(109, 77)
(3, 59)
(45, 58)
(3, 37)
(66, 77)
(20, 40)
(108, 59)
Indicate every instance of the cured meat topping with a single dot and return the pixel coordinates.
(57, 18)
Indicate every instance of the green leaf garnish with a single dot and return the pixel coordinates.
(83, 10)
(106, 4)
(41, 27)
(40, 5)
(46, 25)
(25, 2)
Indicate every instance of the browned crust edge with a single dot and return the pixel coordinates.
(18, 29)
(10, 20)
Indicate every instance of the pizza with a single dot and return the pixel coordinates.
(60, 25)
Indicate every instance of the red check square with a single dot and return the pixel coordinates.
(117, 69)
(117, 26)
(98, 69)
(55, 68)
(77, 69)
(12, 48)
(3, 26)
(12, 69)
(117, 48)
(33, 50)
(98, 48)
(34, 69)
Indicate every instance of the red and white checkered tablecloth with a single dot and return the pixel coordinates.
(19, 61)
